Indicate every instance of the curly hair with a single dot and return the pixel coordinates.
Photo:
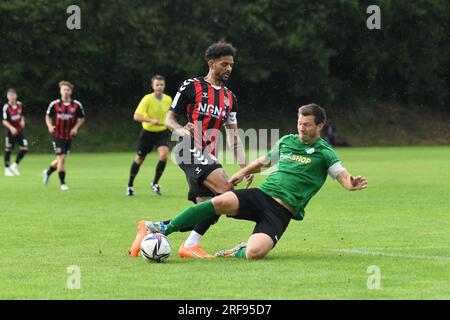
(219, 49)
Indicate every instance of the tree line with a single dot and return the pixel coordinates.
(289, 51)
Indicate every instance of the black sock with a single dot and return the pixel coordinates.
(7, 157)
(62, 177)
(133, 173)
(20, 156)
(202, 227)
(50, 170)
(159, 171)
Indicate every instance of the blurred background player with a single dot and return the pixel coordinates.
(69, 117)
(208, 107)
(14, 121)
(151, 112)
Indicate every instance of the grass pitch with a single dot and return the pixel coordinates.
(400, 224)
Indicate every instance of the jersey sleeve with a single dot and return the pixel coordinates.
(142, 107)
(184, 96)
(51, 109)
(80, 111)
(5, 112)
(333, 163)
(232, 116)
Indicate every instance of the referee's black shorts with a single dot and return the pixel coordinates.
(149, 140)
(271, 217)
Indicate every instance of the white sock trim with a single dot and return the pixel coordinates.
(193, 239)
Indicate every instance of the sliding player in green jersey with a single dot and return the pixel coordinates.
(303, 162)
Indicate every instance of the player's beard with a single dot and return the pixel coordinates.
(222, 77)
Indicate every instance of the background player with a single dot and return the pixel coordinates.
(69, 117)
(303, 162)
(151, 112)
(208, 106)
(14, 121)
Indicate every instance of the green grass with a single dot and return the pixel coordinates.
(401, 223)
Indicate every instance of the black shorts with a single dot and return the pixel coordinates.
(149, 140)
(10, 140)
(61, 146)
(196, 166)
(271, 217)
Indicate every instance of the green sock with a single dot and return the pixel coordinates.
(240, 254)
(191, 216)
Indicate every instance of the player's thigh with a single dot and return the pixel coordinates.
(163, 152)
(61, 158)
(217, 181)
(258, 246)
(23, 143)
(146, 143)
(226, 203)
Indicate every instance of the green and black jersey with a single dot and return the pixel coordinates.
(300, 171)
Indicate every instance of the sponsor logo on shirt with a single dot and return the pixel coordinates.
(64, 116)
(209, 109)
(16, 117)
(293, 157)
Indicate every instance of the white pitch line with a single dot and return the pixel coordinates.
(367, 252)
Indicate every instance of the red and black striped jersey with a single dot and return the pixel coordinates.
(208, 107)
(13, 114)
(66, 115)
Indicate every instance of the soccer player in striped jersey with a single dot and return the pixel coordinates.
(302, 162)
(69, 116)
(208, 106)
(14, 121)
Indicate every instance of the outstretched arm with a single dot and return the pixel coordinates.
(253, 167)
(350, 182)
(235, 145)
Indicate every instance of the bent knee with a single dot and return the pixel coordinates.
(255, 253)
(219, 203)
(221, 189)
(139, 160)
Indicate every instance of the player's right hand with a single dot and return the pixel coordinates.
(236, 179)
(51, 129)
(14, 131)
(190, 127)
(155, 122)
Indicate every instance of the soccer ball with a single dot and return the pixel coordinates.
(155, 247)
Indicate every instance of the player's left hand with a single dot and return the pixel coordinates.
(236, 179)
(73, 132)
(358, 182)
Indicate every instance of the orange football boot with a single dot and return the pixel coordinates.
(141, 233)
(194, 251)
